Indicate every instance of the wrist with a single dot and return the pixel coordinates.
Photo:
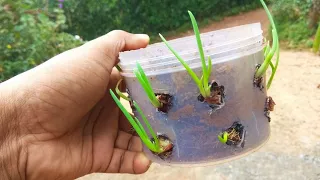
(9, 161)
(11, 153)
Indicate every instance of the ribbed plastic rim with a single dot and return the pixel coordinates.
(233, 44)
(206, 34)
(198, 65)
(176, 62)
(216, 33)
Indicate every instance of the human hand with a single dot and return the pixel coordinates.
(59, 121)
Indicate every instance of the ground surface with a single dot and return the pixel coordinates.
(255, 16)
(293, 151)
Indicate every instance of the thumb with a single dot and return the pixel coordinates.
(105, 50)
(90, 65)
(101, 53)
(78, 77)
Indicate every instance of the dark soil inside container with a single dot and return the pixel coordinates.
(258, 81)
(165, 100)
(216, 99)
(269, 106)
(131, 105)
(131, 100)
(236, 135)
(166, 147)
(132, 130)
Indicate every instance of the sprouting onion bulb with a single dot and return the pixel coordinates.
(269, 52)
(138, 127)
(146, 85)
(201, 83)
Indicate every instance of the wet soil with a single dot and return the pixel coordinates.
(269, 106)
(166, 102)
(166, 147)
(216, 99)
(236, 135)
(258, 81)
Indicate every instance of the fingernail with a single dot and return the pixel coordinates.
(144, 160)
(142, 36)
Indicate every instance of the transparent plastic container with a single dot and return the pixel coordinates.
(190, 124)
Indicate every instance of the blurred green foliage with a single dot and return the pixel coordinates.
(291, 17)
(91, 19)
(31, 32)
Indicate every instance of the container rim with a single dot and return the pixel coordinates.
(198, 65)
(209, 33)
(252, 39)
(128, 54)
(191, 58)
(173, 62)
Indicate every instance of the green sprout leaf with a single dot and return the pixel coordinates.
(120, 93)
(207, 90)
(274, 68)
(267, 49)
(155, 147)
(269, 53)
(223, 138)
(144, 118)
(316, 43)
(143, 80)
(186, 66)
(263, 68)
(199, 42)
(119, 68)
(203, 82)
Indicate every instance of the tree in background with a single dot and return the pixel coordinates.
(91, 19)
(32, 31)
(314, 16)
(292, 18)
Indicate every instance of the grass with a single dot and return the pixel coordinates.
(295, 34)
(143, 80)
(202, 83)
(136, 124)
(270, 51)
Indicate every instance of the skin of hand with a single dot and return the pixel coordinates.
(58, 120)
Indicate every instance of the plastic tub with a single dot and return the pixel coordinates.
(191, 124)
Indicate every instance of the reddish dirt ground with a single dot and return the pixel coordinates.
(255, 16)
